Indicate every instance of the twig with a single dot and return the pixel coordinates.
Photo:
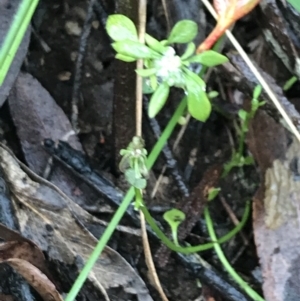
(233, 217)
(171, 161)
(256, 73)
(139, 65)
(149, 259)
(164, 4)
(78, 66)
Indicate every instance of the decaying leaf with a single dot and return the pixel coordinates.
(276, 215)
(37, 117)
(54, 223)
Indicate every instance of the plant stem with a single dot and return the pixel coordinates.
(252, 293)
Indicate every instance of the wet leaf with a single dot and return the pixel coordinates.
(209, 58)
(158, 99)
(134, 49)
(184, 31)
(120, 28)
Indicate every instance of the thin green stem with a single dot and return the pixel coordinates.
(191, 249)
(100, 246)
(252, 293)
(15, 35)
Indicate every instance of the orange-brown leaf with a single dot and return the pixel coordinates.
(39, 281)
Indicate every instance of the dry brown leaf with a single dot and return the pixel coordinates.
(54, 223)
(6, 297)
(23, 250)
(35, 278)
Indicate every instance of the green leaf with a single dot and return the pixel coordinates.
(125, 58)
(257, 91)
(212, 94)
(190, 50)
(146, 72)
(155, 44)
(158, 99)
(184, 31)
(147, 89)
(198, 103)
(174, 218)
(248, 160)
(120, 28)
(153, 82)
(134, 49)
(182, 120)
(189, 75)
(242, 114)
(209, 58)
(213, 192)
(138, 183)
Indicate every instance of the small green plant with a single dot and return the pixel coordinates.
(238, 159)
(174, 218)
(213, 192)
(163, 67)
(133, 163)
(289, 83)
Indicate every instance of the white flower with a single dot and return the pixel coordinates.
(169, 68)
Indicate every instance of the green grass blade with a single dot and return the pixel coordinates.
(15, 35)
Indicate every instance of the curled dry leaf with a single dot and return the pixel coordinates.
(35, 278)
(23, 250)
